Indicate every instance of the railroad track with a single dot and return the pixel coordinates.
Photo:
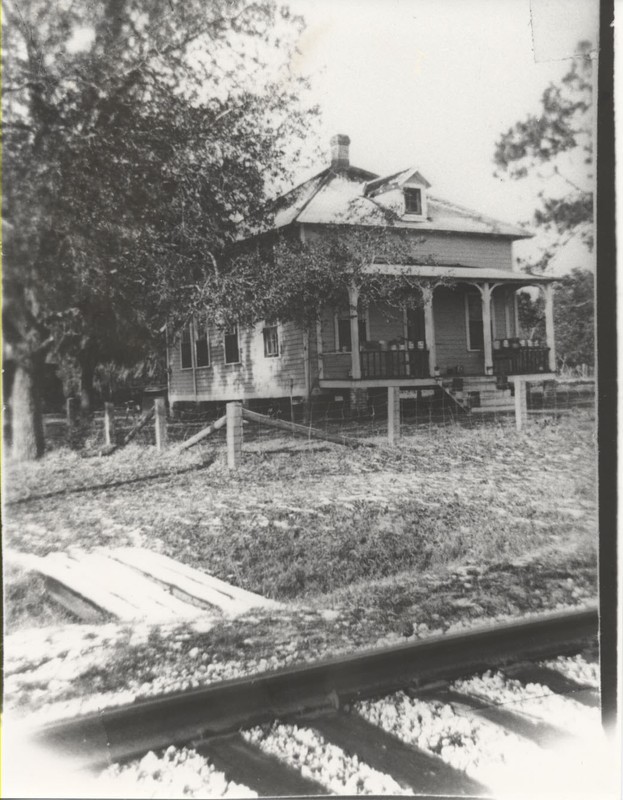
(365, 714)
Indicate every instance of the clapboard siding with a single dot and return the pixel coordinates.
(327, 323)
(181, 379)
(256, 376)
(498, 313)
(470, 250)
(451, 333)
(336, 365)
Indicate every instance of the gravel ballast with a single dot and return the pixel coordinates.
(317, 759)
(177, 773)
(474, 746)
(534, 700)
(577, 669)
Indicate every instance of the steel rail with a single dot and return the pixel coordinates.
(181, 718)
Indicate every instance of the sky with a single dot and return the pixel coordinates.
(434, 83)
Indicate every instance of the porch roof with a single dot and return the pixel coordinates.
(458, 273)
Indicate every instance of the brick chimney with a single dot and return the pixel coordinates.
(339, 152)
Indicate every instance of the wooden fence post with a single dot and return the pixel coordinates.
(393, 413)
(109, 423)
(72, 411)
(234, 435)
(160, 417)
(521, 403)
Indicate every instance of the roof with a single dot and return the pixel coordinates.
(379, 185)
(458, 272)
(352, 197)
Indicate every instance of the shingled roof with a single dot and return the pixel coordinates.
(340, 197)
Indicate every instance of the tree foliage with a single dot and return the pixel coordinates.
(556, 146)
(136, 135)
(574, 315)
(281, 278)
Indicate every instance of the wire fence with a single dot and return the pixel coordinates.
(363, 418)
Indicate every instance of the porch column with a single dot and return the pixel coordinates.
(355, 365)
(486, 328)
(429, 328)
(548, 291)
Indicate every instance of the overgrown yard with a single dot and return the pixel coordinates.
(452, 526)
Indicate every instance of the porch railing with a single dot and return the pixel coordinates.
(394, 364)
(520, 360)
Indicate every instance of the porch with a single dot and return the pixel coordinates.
(465, 327)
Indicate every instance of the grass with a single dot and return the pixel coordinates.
(453, 526)
(300, 520)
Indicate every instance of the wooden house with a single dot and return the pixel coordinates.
(464, 338)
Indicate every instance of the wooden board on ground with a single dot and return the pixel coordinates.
(132, 583)
(116, 590)
(191, 583)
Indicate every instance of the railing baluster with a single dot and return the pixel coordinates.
(394, 363)
(522, 361)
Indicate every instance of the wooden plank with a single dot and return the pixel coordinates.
(182, 586)
(407, 764)
(77, 605)
(302, 430)
(109, 423)
(521, 404)
(215, 426)
(234, 435)
(393, 414)
(130, 585)
(61, 569)
(160, 413)
(153, 562)
(247, 764)
(71, 407)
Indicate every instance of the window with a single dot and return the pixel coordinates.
(232, 351)
(202, 348)
(271, 341)
(186, 348)
(413, 201)
(343, 333)
(475, 334)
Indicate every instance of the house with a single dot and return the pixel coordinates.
(464, 338)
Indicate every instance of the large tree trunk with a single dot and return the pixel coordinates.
(27, 422)
(87, 392)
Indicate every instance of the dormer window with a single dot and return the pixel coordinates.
(413, 201)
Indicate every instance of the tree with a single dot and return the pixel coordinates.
(136, 136)
(556, 148)
(574, 313)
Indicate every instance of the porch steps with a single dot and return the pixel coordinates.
(491, 399)
(460, 398)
